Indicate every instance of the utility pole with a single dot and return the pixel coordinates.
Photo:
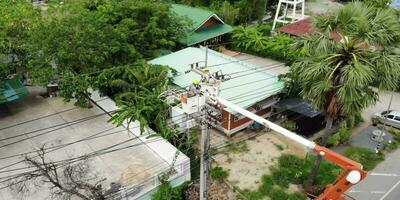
(204, 156)
(381, 139)
(204, 166)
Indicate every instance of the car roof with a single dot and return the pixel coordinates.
(394, 112)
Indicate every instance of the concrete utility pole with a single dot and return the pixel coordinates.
(204, 166)
(379, 145)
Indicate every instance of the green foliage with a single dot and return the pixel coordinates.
(241, 147)
(252, 39)
(83, 37)
(375, 120)
(338, 76)
(76, 87)
(167, 192)
(354, 119)
(291, 125)
(368, 158)
(334, 140)
(279, 194)
(17, 19)
(291, 170)
(378, 3)
(227, 11)
(344, 134)
(218, 173)
(137, 88)
(279, 147)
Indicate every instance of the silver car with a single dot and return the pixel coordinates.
(391, 118)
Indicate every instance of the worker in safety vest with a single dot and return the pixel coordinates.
(194, 88)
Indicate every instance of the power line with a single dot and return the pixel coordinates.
(42, 117)
(64, 145)
(80, 120)
(65, 126)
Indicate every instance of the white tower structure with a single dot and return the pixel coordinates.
(293, 11)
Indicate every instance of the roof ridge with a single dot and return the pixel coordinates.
(233, 59)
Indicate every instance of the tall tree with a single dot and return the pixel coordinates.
(340, 75)
(79, 39)
(17, 19)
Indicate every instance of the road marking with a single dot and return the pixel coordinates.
(354, 191)
(388, 192)
(383, 174)
(377, 192)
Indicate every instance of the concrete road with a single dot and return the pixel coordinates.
(383, 183)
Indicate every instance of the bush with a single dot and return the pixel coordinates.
(218, 173)
(368, 158)
(344, 134)
(334, 140)
(266, 185)
(253, 40)
(167, 192)
(291, 125)
(278, 194)
(296, 196)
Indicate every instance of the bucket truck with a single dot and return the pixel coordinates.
(352, 172)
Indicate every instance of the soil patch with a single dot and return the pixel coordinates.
(246, 168)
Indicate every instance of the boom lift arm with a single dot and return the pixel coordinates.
(351, 174)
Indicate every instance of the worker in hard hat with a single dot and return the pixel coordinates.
(194, 88)
(206, 77)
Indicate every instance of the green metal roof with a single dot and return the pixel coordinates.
(198, 17)
(207, 34)
(11, 90)
(246, 86)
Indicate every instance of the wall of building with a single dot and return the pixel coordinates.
(210, 22)
(232, 125)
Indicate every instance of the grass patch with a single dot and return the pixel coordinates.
(218, 173)
(291, 170)
(279, 147)
(368, 158)
(241, 147)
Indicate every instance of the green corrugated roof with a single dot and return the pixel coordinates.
(245, 90)
(196, 15)
(11, 90)
(206, 34)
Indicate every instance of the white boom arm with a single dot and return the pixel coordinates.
(269, 124)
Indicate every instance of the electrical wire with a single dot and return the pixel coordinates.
(42, 117)
(64, 145)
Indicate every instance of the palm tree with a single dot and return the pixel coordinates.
(136, 89)
(341, 76)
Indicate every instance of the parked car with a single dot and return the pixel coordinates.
(390, 118)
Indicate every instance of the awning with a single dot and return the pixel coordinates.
(299, 106)
(11, 90)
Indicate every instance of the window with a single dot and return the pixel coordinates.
(390, 116)
(385, 112)
(397, 118)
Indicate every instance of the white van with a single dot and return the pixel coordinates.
(391, 118)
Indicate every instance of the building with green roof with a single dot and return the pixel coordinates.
(206, 26)
(249, 86)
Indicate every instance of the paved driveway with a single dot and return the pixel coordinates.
(383, 183)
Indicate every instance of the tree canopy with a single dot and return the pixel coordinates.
(17, 20)
(74, 40)
(341, 74)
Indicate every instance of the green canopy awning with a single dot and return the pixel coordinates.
(12, 90)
